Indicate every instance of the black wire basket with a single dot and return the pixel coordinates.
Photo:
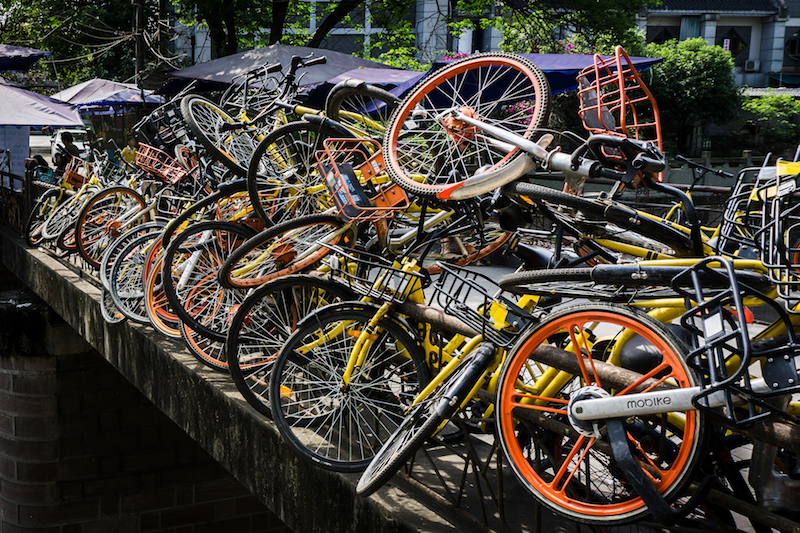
(375, 277)
(476, 300)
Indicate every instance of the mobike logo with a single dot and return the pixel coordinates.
(648, 402)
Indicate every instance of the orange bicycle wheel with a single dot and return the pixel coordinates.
(426, 150)
(565, 468)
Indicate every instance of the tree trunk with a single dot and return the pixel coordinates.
(280, 9)
(342, 9)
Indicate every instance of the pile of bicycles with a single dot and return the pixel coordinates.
(324, 263)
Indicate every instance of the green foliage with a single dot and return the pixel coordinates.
(777, 117)
(396, 48)
(543, 26)
(88, 38)
(693, 84)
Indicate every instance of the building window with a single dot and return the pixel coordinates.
(793, 46)
(690, 27)
(732, 42)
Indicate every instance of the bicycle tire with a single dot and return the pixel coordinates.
(42, 209)
(605, 212)
(126, 284)
(189, 276)
(206, 350)
(550, 464)
(232, 148)
(359, 98)
(265, 320)
(63, 215)
(338, 428)
(286, 248)
(159, 312)
(421, 423)
(108, 310)
(426, 153)
(110, 255)
(282, 177)
(98, 222)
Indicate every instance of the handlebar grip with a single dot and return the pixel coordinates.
(321, 60)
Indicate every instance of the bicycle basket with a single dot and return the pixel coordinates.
(77, 172)
(373, 276)
(779, 238)
(614, 99)
(354, 174)
(741, 217)
(159, 164)
(465, 295)
(722, 352)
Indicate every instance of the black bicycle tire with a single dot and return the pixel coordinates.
(125, 309)
(321, 132)
(178, 304)
(405, 112)
(431, 413)
(243, 318)
(515, 281)
(328, 315)
(37, 216)
(265, 237)
(341, 92)
(214, 151)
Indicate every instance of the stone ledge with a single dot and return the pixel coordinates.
(208, 407)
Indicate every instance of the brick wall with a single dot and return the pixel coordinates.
(82, 451)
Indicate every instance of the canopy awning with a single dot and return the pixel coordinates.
(19, 57)
(225, 69)
(19, 107)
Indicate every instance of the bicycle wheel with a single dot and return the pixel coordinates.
(427, 151)
(341, 427)
(567, 470)
(421, 423)
(287, 248)
(233, 147)
(189, 276)
(42, 209)
(159, 312)
(264, 321)
(361, 108)
(64, 215)
(111, 252)
(126, 282)
(282, 177)
(101, 221)
(208, 351)
(108, 310)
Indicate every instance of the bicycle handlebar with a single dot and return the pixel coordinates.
(640, 156)
(694, 164)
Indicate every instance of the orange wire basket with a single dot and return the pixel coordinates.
(77, 172)
(614, 100)
(351, 168)
(159, 163)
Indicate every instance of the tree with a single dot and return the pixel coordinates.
(543, 26)
(777, 117)
(692, 85)
(88, 38)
